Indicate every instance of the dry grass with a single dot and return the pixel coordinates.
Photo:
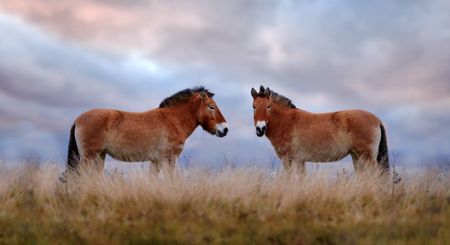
(233, 206)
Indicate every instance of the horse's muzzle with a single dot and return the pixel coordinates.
(222, 133)
(221, 130)
(260, 131)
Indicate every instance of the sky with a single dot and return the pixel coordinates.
(61, 58)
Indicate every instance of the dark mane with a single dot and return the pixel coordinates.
(277, 98)
(183, 96)
(282, 100)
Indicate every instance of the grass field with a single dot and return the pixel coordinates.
(232, 206)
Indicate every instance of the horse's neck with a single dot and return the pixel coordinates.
(281, 121)
(185, 116)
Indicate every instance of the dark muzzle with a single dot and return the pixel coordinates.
(222, 133)
(260, 131)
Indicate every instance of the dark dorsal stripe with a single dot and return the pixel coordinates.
(278, 98)
(183, 96)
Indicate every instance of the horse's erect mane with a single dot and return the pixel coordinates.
(183, 96)
(276, 97)
(282, 100)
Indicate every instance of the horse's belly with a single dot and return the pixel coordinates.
(322, 152)
(135, 156)
(134, 152)
(329, 155)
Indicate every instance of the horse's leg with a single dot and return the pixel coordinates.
(93, 159)
(290, 165)
(356, 162)
(301, 168)
(163, 164)
(172, 163)
(101, 161)
(91, 147)
(155, 166)
(364, 160)
(365, 150)
(287, 163)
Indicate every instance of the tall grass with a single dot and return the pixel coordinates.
(232, 206)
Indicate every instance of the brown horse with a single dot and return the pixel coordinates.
(156, 135)
(299, 136)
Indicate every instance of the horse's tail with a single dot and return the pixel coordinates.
(73, 156)
(383, 154)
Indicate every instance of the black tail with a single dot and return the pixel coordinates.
(73, 156)
(383, 154)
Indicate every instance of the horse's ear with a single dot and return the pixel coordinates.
(210, 95)
(254, 93)
(261, 89)
(267, 92)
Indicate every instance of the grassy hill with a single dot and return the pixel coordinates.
(232, 206)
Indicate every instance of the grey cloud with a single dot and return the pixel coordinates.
(384, 56)
(26, 140)
(41, 70)
(46, 82)
(51, 72)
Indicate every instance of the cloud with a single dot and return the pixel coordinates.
(342, 49)
(47, 81)
(389, 57)
(25, 140)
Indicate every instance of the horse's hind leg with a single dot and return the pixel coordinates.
(93, 159)
(363, 161)
(357, 163)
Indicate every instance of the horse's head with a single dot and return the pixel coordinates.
(262, 107)
(209, 115)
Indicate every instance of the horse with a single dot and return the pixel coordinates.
(156, 135)
(300, 136)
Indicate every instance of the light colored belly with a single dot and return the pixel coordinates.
(148, 148)
(148, 152)
(329, 154)
(325, 151)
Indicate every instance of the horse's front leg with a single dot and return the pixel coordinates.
(155, 166)
(172, 162)
(287, 163)
(301, 168)
(290, 164)
(167, 164)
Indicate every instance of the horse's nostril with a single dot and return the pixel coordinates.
(264, 128)
(225, 131)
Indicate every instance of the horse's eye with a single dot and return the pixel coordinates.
(254, 107)
(269, 106)
(211, 107)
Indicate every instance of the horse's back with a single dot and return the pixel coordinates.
(111, 118)
(347, 117)
(97, 115)
(334, 133)
(360, 121)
